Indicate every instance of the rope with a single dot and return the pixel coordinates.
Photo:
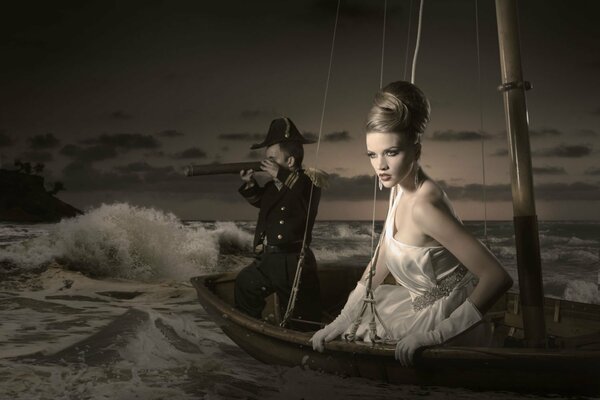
(383, 43)
(485, 236)
(293, 295)
(414, 63)
(407, 40)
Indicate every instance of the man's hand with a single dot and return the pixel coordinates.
(248, 177)
(270, 167)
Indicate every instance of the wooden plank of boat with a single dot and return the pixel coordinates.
(560, 370)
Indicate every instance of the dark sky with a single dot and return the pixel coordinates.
(115, 97)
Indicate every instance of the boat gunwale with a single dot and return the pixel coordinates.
(379, 349)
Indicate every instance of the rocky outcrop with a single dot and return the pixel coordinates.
(23, 198)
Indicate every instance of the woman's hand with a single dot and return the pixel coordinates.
(270, 167)
(327, 334)
(407, 346)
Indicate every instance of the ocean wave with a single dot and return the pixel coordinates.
(582, 291)
(124, 241)
(575, 241)
(328, 254)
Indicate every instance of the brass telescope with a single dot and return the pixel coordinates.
(217, 169)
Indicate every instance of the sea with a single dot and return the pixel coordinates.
(100, 306)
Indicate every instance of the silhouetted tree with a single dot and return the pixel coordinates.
(58, 186)
(38, 168)
(26, 168)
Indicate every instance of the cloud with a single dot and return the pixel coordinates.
(341, 136)
(310, 136)
(169, 133)
(142, 166)
(37, 156)
(120, 115)
(159, 154)
(586, 133)
(543, 192)
(5, 140)
(192, 152)
(592, 171)
(549, 170)
(544, 132)
(567, 191)
(40, 142)
(456, 136)
(125, 141)
(81, 176)
(359, 187)
(242, 136)
(88, 154)
(142, 177)
(565, 151)
(474, 191)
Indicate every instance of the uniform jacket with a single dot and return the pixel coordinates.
(282, 215)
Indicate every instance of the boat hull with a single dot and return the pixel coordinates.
(512, 369)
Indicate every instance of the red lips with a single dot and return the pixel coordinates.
(385, 177)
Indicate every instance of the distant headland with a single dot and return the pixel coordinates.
(24, 198)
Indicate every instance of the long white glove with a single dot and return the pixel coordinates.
(461, 319)
(343, 321)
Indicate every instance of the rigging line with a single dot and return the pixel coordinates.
(293, 295)
(380, 86)
(375, 183)
(373, 218)
(481, 124)
(417, 45)
(383, 43)
(407, 40)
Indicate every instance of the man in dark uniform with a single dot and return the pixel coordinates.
(280, 230)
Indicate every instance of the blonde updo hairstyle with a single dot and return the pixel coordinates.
(400, 108)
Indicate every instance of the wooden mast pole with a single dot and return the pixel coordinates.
(525, 218)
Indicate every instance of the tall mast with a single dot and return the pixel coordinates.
(525, 218)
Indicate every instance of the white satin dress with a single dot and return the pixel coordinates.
(431, 284)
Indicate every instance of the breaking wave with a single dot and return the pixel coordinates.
(124, 241)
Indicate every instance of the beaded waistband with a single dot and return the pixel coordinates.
(444, 287)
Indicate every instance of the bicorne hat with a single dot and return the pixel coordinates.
(282, 130)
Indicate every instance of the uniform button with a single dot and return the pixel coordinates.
(281, 222)
(283, 208)
(279, 237)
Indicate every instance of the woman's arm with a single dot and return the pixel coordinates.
(435, 220)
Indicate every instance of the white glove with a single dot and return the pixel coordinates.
(343, 321)
(461, 319)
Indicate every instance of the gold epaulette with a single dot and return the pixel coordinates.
(318, 177)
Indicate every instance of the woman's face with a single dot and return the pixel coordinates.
(391, 156)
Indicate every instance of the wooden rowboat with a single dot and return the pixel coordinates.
(570, 365)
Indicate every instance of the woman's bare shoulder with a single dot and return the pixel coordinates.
(430, 197)
(430, 192)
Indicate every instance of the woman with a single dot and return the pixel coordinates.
(446, 279)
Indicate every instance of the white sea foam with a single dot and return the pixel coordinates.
(120, 240)
(329, 254)
(575, 241)
(347, 232)
(582, 291)
(549, 240)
